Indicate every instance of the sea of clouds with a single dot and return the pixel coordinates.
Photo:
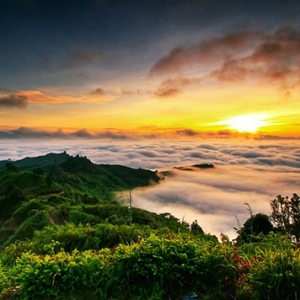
(252, 172)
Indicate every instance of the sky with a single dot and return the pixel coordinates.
(149, 69)
(157, 84)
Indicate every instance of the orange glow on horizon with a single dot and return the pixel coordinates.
(246, 123)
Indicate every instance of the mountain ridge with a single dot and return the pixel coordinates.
(34, 189)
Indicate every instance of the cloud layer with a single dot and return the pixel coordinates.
(148, 133)
(253, 172)
(274, 156)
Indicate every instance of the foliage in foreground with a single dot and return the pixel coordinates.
(163, 266)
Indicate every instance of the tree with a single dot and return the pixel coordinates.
(12, 197)
(38, 172)
(286, 215)
(49, 181)
(196, 228)
(13, 194)
(253, 227)
(10, 166)
(56, 170)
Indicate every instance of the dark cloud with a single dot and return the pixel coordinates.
(26, 132)
(13, 100)
(206, 52)
(276, 59)
(127, 93)
(83, 56)
(167, 92)
(279, 161)
(151, 154)
(83, 133)
(71, 61)
(225, 133)
(283, 46)
(113, 135)
(248, 153)
(187, 132)
(244, 55)
(174, 86)
(207, 146)
(231, 70)
(5, 91)
(274, 137)
(98, 91)
(180, 82)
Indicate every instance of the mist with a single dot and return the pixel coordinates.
(217, 198)
(252, 172)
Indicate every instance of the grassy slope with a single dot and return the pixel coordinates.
(77, 190)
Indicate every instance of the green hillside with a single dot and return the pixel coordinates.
(57, 188)
(45, 161)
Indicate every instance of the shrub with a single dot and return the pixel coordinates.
(166, 267)
(276, 275)
(78, 217)
(21, 214)
(4, 282)
(37, 221)
(61, 275)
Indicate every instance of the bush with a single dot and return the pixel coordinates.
(4, 282)
(37, 221)
(276, 274)
(159, 268)
(153, 268)
(21, 214)
(78, 217)
(254, 229)
(61, 275)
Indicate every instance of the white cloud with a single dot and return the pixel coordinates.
(254, 172)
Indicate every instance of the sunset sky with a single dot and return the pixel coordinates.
(170, 69)
(157, 84)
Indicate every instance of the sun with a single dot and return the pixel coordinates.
(246, 123)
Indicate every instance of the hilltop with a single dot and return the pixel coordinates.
(44, 161)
